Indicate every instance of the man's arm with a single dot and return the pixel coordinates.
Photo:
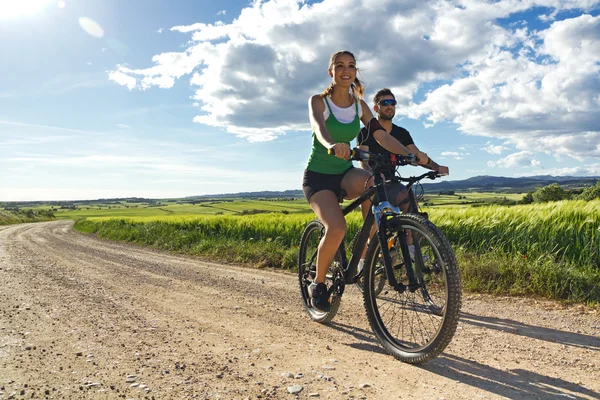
(427, 162)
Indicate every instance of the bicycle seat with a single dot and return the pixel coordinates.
(342, 195)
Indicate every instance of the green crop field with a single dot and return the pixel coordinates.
(468, 199)
(166, 207)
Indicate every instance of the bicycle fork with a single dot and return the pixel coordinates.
(382, 212)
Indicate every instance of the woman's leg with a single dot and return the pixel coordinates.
(324, 203)
(355, 183)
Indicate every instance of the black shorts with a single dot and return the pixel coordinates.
(314, 182)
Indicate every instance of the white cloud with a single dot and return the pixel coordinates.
(160, 30)
(494, 149)
(222, 12)
(546, 92)
(515, 160)
(457, 155)
(588, 170)
(122, 79)
(531, 89)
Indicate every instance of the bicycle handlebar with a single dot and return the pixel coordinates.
(379, 159)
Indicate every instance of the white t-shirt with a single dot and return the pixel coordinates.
(344, 115)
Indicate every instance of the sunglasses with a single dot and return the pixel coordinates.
(388, 102)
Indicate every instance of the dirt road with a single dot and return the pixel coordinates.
(87, 318)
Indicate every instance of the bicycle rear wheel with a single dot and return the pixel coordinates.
(417, 324)
(307, 270)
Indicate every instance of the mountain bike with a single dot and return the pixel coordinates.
(412, 298)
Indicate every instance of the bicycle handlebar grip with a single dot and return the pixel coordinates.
(413, 160)
(354, 153)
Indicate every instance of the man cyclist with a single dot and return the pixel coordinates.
(384, 105)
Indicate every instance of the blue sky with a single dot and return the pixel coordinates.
(161, 98)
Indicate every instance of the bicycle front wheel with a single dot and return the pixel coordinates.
(307, 270)
(415, 324)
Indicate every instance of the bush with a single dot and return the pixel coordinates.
(528, 198)
(590, 192)
(551, 192)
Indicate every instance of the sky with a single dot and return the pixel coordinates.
(166, 99)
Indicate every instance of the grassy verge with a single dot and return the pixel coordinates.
(501, 273)
(20, 216)
(265, 240)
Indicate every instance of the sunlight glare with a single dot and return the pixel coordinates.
(91, 27)
(10, 9)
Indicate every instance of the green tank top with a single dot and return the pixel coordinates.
(320, 160)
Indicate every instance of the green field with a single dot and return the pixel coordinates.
(165, 207)
(468, 199)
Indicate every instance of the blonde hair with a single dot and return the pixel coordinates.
(357, 86)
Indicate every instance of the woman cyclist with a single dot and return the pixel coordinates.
(335, 116)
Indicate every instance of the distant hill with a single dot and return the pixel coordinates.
(264, 194)
(482, 183)
(486, 183)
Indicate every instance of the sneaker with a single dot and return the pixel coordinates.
(319, 296)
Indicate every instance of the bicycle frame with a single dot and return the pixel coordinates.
(379, 213)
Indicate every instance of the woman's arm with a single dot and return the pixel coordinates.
(383, 138)
(316, 107)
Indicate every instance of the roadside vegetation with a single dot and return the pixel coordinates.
(17, 216)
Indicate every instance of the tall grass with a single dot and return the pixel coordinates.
(565, 230)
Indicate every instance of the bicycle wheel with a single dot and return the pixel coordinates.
(417, 324)
(307, 270)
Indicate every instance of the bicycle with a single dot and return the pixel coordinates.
(412, 301)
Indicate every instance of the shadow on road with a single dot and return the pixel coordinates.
(367, 341)
(514, 383)
(532, 331)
